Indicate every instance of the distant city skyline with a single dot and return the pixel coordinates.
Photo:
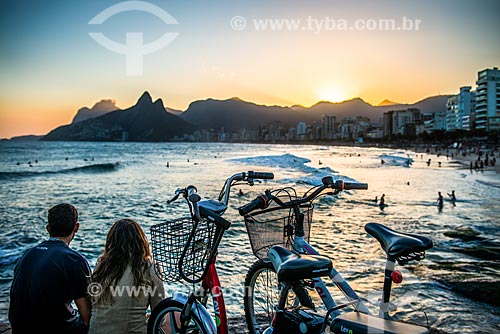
(272, 53)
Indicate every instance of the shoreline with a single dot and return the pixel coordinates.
(463, 158)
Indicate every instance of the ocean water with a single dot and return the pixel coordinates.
(109, 181)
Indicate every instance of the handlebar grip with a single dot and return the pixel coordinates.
(355, 185)
(258, 203)
(192, 195)
(260, 175)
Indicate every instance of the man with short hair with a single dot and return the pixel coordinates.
(48, 278)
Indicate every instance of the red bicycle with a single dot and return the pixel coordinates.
(186, 249)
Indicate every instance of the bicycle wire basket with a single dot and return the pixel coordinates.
(171, 239)
(276, 225)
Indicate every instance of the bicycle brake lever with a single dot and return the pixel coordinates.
(177, 193)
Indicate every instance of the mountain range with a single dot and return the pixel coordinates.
(234, 114)
(145, 121)
(151, 121)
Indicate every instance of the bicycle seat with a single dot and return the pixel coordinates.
(292, 267)
(398, 244)
(215, 206)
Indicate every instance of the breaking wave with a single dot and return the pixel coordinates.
(90, 169)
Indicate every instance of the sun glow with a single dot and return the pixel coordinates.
(332, 94)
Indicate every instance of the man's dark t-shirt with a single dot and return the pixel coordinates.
(46, 280)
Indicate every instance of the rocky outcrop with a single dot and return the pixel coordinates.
(100, 108)
(145, 121)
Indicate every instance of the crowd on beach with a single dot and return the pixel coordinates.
(475, 158)
(472, 157)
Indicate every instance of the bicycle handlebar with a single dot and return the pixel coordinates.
(262, 201)
(190, 192)
(248, 177)
(173, 199)
(260, 175)
(355, 186)
(192, 195)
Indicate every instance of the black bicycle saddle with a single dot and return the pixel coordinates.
(292, 266)
(398, 244)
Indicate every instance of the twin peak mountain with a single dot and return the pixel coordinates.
(151, 121)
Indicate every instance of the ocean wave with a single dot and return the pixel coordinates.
(316, 179)
(489, 184)
(90, 169)
(394, 160)
(283, 161)
(286, 161)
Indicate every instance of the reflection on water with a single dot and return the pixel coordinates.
(108, 181)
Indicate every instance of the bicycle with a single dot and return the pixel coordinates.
(186, 249)
(293, 266)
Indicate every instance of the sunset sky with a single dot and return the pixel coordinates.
(50, 66)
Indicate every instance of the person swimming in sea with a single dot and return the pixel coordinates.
(452, 195)
(440, 200)
(381, 204)
(453, 198)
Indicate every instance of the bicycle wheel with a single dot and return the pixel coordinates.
(261, 296)
(165, 319)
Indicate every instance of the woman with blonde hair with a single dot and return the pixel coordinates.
(124, 283)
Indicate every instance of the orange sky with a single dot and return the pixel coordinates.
(50, 66)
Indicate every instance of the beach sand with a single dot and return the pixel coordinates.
(458, 159)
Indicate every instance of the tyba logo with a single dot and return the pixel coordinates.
(134, 49)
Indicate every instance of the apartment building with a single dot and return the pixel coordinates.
(487, 112)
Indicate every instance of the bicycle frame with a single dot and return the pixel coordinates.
(211, 284)
(302, 246)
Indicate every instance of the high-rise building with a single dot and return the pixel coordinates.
(395, 121)
(466, 107)
(387, 124)
(459, 110)
(440, 120)
(328, 127)
(487, 114)
(301, 130)
(452, 117)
